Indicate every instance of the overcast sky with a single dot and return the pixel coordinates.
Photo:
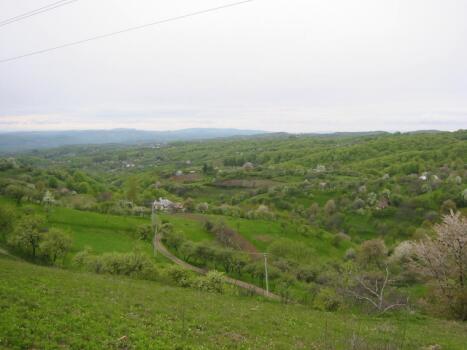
(276, 65)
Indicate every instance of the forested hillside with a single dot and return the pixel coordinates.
(349, 222)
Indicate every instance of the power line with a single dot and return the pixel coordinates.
(36, 12)
(30, 12)
(102, 36)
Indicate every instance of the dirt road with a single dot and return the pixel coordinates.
(248, 286)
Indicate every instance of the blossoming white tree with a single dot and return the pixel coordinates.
(442, 259)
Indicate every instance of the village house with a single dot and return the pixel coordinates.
(164, 204)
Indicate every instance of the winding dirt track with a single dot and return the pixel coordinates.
(248, 286)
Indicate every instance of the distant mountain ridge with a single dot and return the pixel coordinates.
(13, 142)
(25, 141)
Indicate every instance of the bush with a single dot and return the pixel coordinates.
(144, 232)
(28, 234)
(7, 216)
(307, 274)
(208, 226)
(350, 254)
(180, 276)
(327, 300)
(447, 206)
(173, 239)
(372, 252)
(134, 264)
(55, 244)
(213, 282)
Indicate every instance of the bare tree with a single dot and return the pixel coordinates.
(443, 260)
(373, 289)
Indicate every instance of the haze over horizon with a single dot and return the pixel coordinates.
(311, 67)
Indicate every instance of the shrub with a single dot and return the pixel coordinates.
(7, 216)
(330, 207)
(28, 234)
(327, 300)
(202, 207)
(372, 252)
(307, 274)
(447, 206)
(180, 276)
(144, 232)
(212, 282)
(208, 226)
(350, 254)
(134, 264)
(173, 239)
(55, 244)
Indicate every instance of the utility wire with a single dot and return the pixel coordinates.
(102, 36)
(36, 12)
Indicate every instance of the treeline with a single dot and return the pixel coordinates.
(28, 235)
(371, 277)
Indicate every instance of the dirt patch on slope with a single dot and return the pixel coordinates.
(237, 240)
(259, 183)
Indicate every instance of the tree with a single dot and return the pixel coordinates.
(213, 282)
(202, 207)
(225, 235)
(48, 200)
(174, 240)
(28, 234)
(189, 204)
(7, 216)
(372, 252)
(84, 187)
(132, 190)
(208, 169)
(313, 211)
(144, 232)
(442, 259)
(373, 288)
(15, 191)
(187, 250)
(330, 207)
(204, 253)
(448, 206)
(55, 244)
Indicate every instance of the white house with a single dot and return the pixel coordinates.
(165, 204)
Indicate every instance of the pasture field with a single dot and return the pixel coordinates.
(50, 308)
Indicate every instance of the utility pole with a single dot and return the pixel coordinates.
(266, 273)
(154, 226)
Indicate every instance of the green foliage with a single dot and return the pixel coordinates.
(372, 253)
(134, 264)
(213, 282)
(290, 249)
(180, 276)
(312, 202)
(54, 308)
(28, 234)
(7, 219)
(327, 300)
(16, 191)
(144, 232)
(55, 244)
(173, 239)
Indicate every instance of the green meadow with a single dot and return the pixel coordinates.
(49, 308)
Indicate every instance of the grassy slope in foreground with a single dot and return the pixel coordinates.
(46, 308)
